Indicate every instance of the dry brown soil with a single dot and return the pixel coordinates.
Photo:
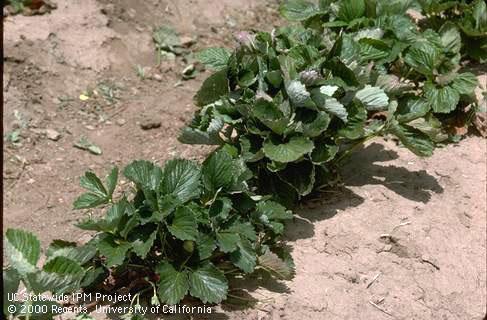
(416, 226)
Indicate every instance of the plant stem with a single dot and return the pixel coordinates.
(184, 263)
(231, 271)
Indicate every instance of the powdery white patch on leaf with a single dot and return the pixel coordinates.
(297, 93)
(373, 98)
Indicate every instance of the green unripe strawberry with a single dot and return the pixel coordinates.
(188, 245)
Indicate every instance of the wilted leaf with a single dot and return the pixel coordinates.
(272, 263)
(85, 144)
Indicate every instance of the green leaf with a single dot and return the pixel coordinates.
(92, 183)
(218, 171)
(269, 114)
(245, 257)
(214, 87)
(11, 281)
(208, 284)
(227, 242)
(59, 275)
(373, 98)
(144, 174)
(317, 126)
(351, 9)
(111, 181)
(142, 239)
(89, 200)
(173, 285)
(113, 250)
(93, 277)
(181, 178)
(423, 57)
(373, 49)
(465, 83)
(323, 153)
(23, 250)
(206, 245)
(479, 14)
(412, 108)
(273, 210)
(221, 208)
(184, 226)
(450, 37)
(342, 71)
(356, 121)
(430, 126)
(98, 193)
(414, 140)
(214, 58)
(209, 135)
(289, 151)
(61, 248)
(298, 10)
(441, 99)
(273, 264)
(300, 175)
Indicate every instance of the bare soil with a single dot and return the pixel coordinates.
(405, 238)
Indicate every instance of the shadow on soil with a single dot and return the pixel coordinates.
(363, 168)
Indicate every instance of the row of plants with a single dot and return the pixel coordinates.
(285, 109)
(296, 101)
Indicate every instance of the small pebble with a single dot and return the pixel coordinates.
(150, 123)
(52, 134)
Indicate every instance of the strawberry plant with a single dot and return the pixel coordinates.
(296, 101)
(468, 17)
(285, 109)
(185, 229)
